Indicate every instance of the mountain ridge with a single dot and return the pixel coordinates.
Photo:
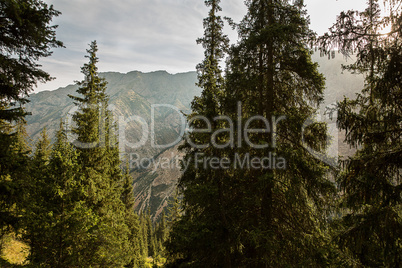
(134, 93)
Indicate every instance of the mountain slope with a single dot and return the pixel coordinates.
(134, 93)
(131, 94)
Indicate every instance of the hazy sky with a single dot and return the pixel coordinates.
(148, 35)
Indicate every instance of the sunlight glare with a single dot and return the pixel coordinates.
(385, 30)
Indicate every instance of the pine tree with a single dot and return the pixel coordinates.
(35, 201)
(57, 220)
(14, 174)
(271, 73)
(131, 219)
(25, 37)
(371, 181)
(100, 163)
(204, 201)
(257, 217)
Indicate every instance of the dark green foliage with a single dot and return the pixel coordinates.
(370, 228)
(253, 217)
(281, 211)
(132, 221)
(161, 230)
(25, 37)
(152, 236)
(107, 241)
(56, 221)
(200, 236)
(144, 235)
(14, 173)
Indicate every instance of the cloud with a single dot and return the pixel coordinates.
(145, 35)
(142, 34)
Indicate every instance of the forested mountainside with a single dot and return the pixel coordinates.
(233, 165)
(131, 94)
(134, 93)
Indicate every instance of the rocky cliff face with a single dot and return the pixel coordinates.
(155, 184)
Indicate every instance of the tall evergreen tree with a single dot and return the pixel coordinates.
(162, 229)
(204, 197)
(143, 236)
(34, 205)
(173, 209)
(69, 220)
(149, 233)
(100, 168)
(258, 217)
(42, 151)
(371, 179)
(14, 174)
(132, 221)
(57, 222)
(25, 37)
(271, 72)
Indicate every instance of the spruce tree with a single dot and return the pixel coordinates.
(25, 37)
(42, 151)
(257, 217)
(99, 162)
(162, 229)
(204, 221)
(57, 222)
(149, 233)
(173, 210)
(271, 73)
(143, 236)
(370, 228)
(131, 219)
(68, 217)
(14, 174)
(34, 206)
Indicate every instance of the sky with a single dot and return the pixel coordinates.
(148, 35)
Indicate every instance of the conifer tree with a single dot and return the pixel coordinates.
(173, 210)
(70, 218)
(271, 73)
(370, 228)
(143, 236)
(35, 200)
(162, 231)
(14, 174)
(258, 217)
(149, 233)
(42, 151)
(204, 198)
(25, 37)
(131, 219)
(57, 220)
(99, 162)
